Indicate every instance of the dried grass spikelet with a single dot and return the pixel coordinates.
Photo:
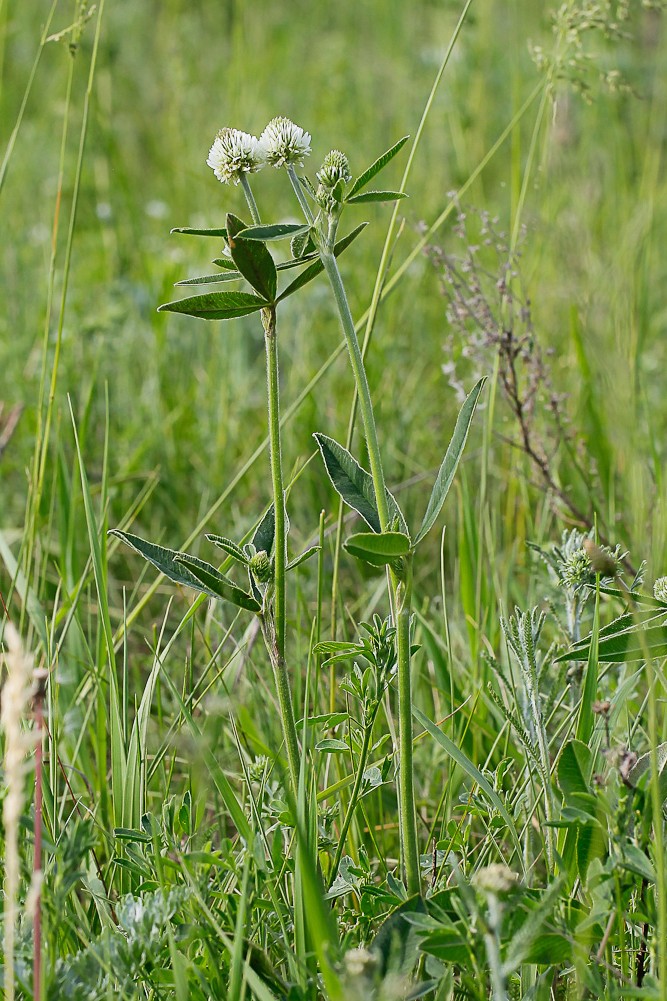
(16, 696)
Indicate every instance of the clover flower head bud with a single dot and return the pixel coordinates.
(261, 567)
(284, 143)
(495, 880)
(335, 167)
(234, 153)
(660, 589)
(325, 198)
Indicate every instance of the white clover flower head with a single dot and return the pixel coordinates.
(359, 962)
(496, 880)
(284, 143)
(335, 167)
(234, 153)
(660, 589)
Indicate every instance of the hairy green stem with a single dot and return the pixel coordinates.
(300, 194)
(276, 634)
(250, 198)
(401, 589)
(275, 624)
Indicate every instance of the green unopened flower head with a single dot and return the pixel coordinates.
(335, 167)
(284, 143)
(261, 567)
(576, 570)
(660, 589)
(325, 198)
(234, 153)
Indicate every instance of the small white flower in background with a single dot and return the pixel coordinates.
(359, 962)
(660, 589)
(234, 153)
(284, 143)
(495, 879)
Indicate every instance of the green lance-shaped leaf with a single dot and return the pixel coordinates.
(166, 561)
(274, 231)
(216, 305)
(230, 273)
(628, 622)
(317, 267)
(221, 586)
(302, 557)
(451, 461)
(376, 196)
(625, 647)
(574, 764)
(226, 263)
(299, 243)
(226, 276)
(378, 549)
(252, 259)
(636, 597)
(331, 745)
(265, 533)
(189, 231)
(355, 485)
(376, 167)
(230, 548)
(350, 481)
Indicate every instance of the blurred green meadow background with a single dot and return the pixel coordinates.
(185, 398)
(107, 114)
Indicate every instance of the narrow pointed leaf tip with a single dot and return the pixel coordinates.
(355, 485)
(190, 231)
(350, 481)
(451, 460)
(376, 167)
(163, 559)
(216, 305)
(189, 571)
(274, 231)
(221, 586)
(377, 196)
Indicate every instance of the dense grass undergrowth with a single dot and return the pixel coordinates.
(412, 765)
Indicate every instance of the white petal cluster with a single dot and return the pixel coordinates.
(234, 153)
(284, 143)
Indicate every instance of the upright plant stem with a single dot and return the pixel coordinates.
(359, 371)
(407, 814)
(275, 633)
(401, 589)
(277, 641)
